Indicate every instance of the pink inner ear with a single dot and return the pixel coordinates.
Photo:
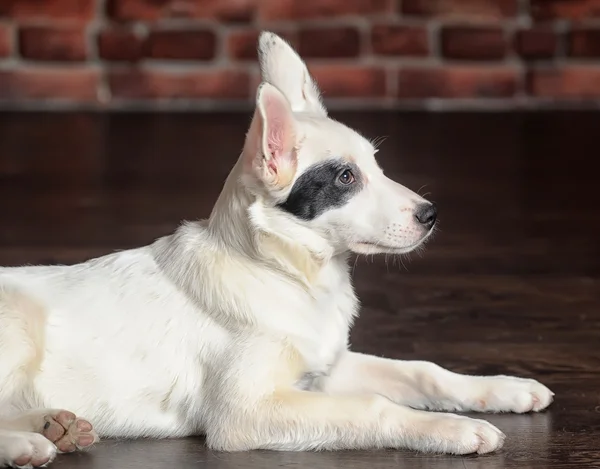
(278, 125)
(272, 165)
(277, 134)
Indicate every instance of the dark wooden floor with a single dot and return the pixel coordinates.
(510, 284)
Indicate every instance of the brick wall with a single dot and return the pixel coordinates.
(376, 53)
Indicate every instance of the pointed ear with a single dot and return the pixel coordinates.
(281, 66)
(272, 138)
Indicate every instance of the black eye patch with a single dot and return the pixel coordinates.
(319, 189)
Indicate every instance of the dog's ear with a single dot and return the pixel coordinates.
(271, 139)
(281, 66)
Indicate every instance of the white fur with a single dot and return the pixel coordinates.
(237, 326)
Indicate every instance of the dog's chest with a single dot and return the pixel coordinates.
(333, 307)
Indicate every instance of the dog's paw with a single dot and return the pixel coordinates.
(68, 432)
(27, 450)
(453, 434)
(510, 394)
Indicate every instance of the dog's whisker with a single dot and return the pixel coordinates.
(355, 262)
(401, 259)
(378, 141)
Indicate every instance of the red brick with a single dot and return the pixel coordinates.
(457, 82)
(569, 9)
(181, 44)
(349, 81)
(48, 9)
(389, 39)
(473, 43)
(119, 45)
(162, 84)
(66, 43)
(570, 82)
(461, 8)
(584, 43)
(153, 10)
(346, 81)
(536, 43)
(309, 9)
(242, 45)
(79, 85)
(329, 42)
(5, 40)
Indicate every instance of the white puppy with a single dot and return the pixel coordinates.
(237, 326)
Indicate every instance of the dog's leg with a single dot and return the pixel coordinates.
(294, 420)
(425, 385)
(24, 449)
(22, 323)
(31, 439)
(61, 427)
(259, 407)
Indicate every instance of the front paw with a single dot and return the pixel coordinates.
(454, 434)
(511, 394)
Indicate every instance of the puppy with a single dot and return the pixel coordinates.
(237, 326)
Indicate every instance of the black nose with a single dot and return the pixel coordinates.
(426, 215)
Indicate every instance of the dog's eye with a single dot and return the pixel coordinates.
(347, 177)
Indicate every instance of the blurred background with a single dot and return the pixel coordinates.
(172, 54)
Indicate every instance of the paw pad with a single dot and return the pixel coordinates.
(68, 432)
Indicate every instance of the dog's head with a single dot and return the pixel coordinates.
(316, 181)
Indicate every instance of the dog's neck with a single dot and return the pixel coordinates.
(228, 221)
(240, 222)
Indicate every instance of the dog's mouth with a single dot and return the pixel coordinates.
(366, 247)
(375, 247)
